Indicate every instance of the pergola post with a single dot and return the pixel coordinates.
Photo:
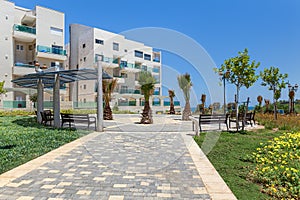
(99, 98)
(56, 101)
(40, 100)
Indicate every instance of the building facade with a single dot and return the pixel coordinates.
(121, 58)
(30, 40)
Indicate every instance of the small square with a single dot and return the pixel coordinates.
(84, 192)
(57, 191)
(24, 198)
(120, 185)
(49, 179)
(48, 186)
(64, 184)
(115, 197)
(99, 179)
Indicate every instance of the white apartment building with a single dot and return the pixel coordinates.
(28, 37)
(121, 58)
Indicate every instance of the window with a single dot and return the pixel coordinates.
(123, 75)
(30, 47)
(147, 57)
(53, 64)
(83, 46)
(84, 59)
(97, 41)
(116, 46)
(123, 64)
(138, 54)
(144, 68)
(84, 100)
(84, 87)
(19, 47)
(56, 31)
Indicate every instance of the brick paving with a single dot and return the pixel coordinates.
(127, 161)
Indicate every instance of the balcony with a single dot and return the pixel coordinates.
(24, 33)
(51, 53)
(23, 68)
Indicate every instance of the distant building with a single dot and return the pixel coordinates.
(121, 58)
(28, 37)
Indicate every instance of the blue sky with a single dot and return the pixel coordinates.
(270, 29)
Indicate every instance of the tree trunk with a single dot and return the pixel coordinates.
(275, 105)
(186, 111)
(107, 113)
(237, 108)
(172, 109)
(147, 114)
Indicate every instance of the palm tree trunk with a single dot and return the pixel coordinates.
(172, 109)
(186, 111)
(147, 114)
(107, 113)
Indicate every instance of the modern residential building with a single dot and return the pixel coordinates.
(120, 57)
(29, 39)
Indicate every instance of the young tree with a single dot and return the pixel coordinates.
(275, 81)
(240, 72)
(172, 95)
(185, 84)
(147, 82)
(2, 90)
(108, 86)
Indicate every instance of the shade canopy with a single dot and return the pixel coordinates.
(66, 76)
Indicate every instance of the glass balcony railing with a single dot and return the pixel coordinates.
(25, 29)
(156, 93)
(129, 91)
(156, 59)
(51, 50)
(155, 70)
(19, 64)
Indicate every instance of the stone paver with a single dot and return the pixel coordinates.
(127, 161)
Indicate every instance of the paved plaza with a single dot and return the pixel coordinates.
(127, 161)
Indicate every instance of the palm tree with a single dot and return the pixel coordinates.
(185, 84)
(147, 81)
(172, 95)
(108, 86)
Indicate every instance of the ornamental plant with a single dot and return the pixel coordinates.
(278, 166)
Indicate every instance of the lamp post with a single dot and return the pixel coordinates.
(292, 90)
(223, 76)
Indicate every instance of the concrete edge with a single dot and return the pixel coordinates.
(25, 168)
(214, 184)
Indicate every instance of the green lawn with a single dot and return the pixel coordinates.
(229, 157)
(22, 139)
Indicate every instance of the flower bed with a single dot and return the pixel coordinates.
(278, 166)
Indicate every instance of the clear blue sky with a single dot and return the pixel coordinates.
(270, 29)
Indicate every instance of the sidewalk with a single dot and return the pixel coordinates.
(127, 161)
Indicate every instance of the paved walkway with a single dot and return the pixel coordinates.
(127, 161)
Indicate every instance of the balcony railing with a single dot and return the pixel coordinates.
(45, 49)
(129, 91)
(25, 29)
(19, 64)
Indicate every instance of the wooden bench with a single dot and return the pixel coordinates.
(47, 116)
(77, 118)
(213, 119)
(248, 118)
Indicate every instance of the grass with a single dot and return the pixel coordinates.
(22, 139)
(230, 158)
